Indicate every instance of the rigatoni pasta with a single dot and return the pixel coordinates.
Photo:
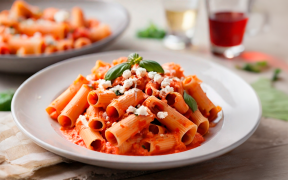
(30, 30)
(129, 108)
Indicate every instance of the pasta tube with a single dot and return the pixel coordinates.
(93, 140)
(77, 18)
(96, 120)
(159, 144)
(118, 133)
(65, 44)
(99, 32)
(152, 88)
(29, 46)
(80, 42)
(198, 119)
(57, 30)
(20, 9)
(127, 145)
(55, 108)
(101, 98)
(117, 107)
(155, 129)
(176, 100)
(174, 122)
(75, 107)
(193, 88)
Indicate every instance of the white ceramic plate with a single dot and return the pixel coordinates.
(240, 105)
(106, 11)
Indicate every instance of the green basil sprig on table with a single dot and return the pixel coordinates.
(5, 100)
(276, 74)
(150, 65)
(133, 58)
(116, 71)
(190, 101)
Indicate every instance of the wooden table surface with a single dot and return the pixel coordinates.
(265, 154)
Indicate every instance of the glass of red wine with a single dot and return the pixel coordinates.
(227, 24)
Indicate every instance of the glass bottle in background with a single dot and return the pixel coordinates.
(181, 16)
(227, 25)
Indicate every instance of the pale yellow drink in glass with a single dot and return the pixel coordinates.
(181, 16)
(181, 20)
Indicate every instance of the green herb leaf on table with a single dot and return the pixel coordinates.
(276, 74)
(254, 67)
(150, 65)
(116, 71)
(5, 100)
(274, 102)
(190, 101)
(152, 31)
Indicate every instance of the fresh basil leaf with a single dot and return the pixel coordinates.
(118, 93)
(5, 100)
(150, 65)
(190, 101)
(143, 147)
(134, 58)
(116, 71)
(276, 74)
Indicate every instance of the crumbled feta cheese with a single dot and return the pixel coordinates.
(131, 91)
(158, 78)
(162, 114)
(16, 36)
(104, 84)
(113, 123)
(133, 70)
(83, 120)
(61, 16)
(119, 88)
(29, 22)
(128, 83)
(131, 109)
(140, 72)
(126, 74)
(24, 36)
(105, 116)
(37, 35)
(152, 74)
(167, 90)
(10, 30)
(142, 110)
(49, 40)
(166, 82)
(176, 78)
(161, 135)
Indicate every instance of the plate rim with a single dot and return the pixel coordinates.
(170, 163)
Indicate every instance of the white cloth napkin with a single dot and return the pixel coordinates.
(20, 158)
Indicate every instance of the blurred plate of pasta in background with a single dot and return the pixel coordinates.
(241, 111)
(35, 34)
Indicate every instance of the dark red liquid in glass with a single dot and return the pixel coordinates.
(227, 28)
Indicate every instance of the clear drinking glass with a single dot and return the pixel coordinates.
(227, 24)
(181, 18)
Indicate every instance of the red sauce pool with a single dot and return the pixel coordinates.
(227, 28)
